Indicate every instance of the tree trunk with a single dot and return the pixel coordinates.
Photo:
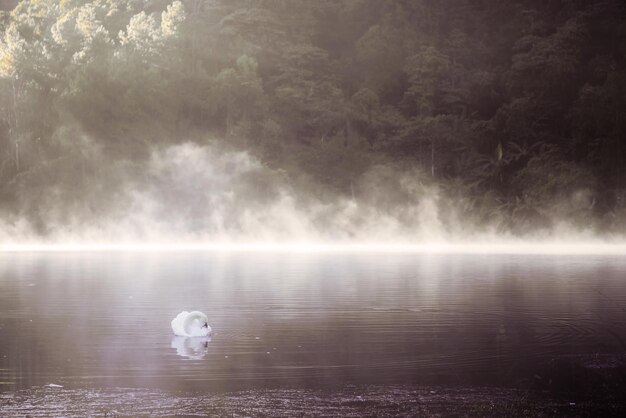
(228, 122)
(347, 132)
(13, 130)
(17, 156)
(432, 158)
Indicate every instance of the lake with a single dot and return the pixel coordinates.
(392, 326)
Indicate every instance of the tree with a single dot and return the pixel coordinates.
(241, 94)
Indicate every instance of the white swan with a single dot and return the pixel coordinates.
(191, 324)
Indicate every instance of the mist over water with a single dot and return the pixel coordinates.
(193, 192)
(198, 193)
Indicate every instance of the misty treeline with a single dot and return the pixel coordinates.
(515, 110)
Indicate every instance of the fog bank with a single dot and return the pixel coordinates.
(198, 194)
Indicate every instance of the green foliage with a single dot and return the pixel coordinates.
(426, 71)
(549, 188)
(511, 108)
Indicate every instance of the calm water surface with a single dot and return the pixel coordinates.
(101, 320)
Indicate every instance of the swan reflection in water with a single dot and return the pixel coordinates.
(193, 348)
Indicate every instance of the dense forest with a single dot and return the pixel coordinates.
(468, 115)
